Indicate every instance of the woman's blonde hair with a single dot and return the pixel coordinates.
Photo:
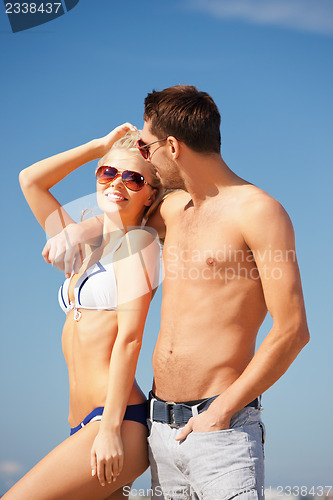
(128, 145)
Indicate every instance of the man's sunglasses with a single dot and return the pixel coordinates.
(132, 180)
(144, 148)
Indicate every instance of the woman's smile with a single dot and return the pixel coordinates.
(116, 197)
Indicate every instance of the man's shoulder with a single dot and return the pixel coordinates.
(252, 200)
(173, 202)
(177, 196)
(260, 213)
(136, 240)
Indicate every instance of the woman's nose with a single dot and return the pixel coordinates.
(118, 179)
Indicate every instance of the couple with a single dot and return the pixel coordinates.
(228, 257)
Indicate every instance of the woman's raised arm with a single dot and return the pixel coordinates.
(37, 180)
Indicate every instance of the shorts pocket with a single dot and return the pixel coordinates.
(263, 436)
(263, 432)
(232, 484)
(214, 433)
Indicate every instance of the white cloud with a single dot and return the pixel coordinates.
(9, 467)
(307, 15)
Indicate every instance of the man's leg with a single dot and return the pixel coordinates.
(228, 463)
(169, 478)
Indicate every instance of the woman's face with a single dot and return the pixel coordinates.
(115, 196)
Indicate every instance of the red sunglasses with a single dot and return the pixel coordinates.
(145, 148)
(132, 180)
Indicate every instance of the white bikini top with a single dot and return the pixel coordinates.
(95, 289)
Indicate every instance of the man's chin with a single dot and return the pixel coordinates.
(172, 184)
(168, 183)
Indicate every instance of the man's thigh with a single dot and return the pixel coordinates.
(168, 478)
(228, 463)
(213, 465)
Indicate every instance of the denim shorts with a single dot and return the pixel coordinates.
(218, 465)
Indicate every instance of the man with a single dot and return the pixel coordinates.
(228, 257)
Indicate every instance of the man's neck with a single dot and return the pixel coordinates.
(205, 177)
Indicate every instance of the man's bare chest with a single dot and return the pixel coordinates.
(212, 240)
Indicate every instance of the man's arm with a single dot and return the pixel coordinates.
(171, 204)
(66, 249)
(269, 234)
(156, 221)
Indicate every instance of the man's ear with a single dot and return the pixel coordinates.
(174, 147)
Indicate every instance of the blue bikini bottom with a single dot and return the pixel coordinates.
(137, 413)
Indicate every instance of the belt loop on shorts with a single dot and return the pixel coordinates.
(261, 408)
(195, 410)
(151, 406)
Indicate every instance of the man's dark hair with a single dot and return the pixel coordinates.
(186, 113)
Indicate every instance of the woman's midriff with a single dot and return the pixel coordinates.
(87, 345)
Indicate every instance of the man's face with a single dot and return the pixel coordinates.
(161, 159)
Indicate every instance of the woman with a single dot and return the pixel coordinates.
(106, 305)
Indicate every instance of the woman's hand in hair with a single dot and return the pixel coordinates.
(117, 133)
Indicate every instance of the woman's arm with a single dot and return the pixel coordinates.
(137, 270)
(37, 180)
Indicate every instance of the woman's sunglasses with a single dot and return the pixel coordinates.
(132, 180)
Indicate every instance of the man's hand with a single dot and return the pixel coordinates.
(65, 251)
(207, 421)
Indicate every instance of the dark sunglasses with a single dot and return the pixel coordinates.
(132, 180)
(144, 148)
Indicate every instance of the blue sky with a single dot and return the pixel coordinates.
(268, 66)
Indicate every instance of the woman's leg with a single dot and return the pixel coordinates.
(120, 494)
(65, 473)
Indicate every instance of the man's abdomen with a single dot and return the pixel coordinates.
(191, 365)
